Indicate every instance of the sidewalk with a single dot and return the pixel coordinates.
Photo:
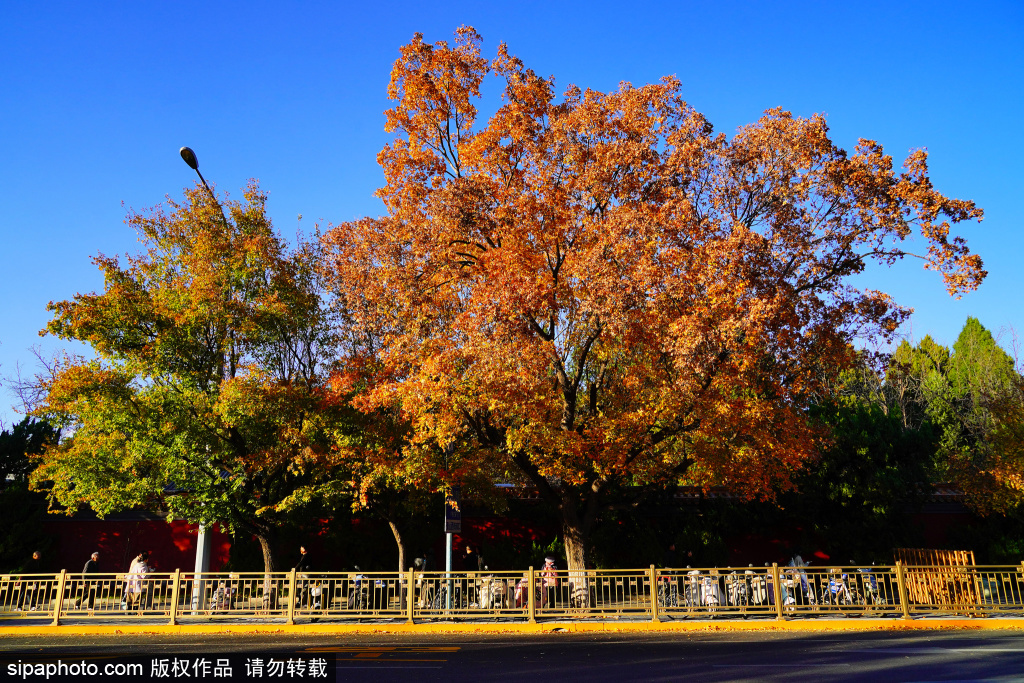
(823, 624)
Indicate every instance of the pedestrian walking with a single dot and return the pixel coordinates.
(471, 560)
(135, 586)
(89, 588)
(424, 586)
(465, 591)
(32, 590)
(671, 558)
(302, 569)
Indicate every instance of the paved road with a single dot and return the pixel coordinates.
(876, 657)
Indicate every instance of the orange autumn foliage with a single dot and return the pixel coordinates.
(595, 289)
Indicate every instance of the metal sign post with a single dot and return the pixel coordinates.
(452, 525)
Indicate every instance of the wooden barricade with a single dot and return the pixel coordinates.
(940, 578)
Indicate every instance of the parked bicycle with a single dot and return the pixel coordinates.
(440, 601)
(668, 590)
(837, 592)
(359, 592)
(869, 589)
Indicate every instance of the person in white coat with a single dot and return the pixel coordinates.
(134, 581)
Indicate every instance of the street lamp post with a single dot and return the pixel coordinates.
(203, 536)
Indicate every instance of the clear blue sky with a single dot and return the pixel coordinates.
(96, 99)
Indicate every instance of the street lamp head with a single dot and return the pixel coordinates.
(190, 158)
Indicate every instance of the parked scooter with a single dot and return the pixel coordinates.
(702, 590)
(522, 592)
(691, 589)
(492, 592)
(758, 587)
(710, 593)
(784, 589)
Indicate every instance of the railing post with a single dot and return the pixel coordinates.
(174, 597)
(531, 599)
(291, 597)
(59, 603)
(654, 595)
(977, 593)
(410, 596)
(901, 584)
(777, 587)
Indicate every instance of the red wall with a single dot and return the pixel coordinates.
(172, 545)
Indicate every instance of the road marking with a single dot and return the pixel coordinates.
(972, 680)
(367, 656)
(342, 665)
(936, 650)
(787, 666)
(399, 650)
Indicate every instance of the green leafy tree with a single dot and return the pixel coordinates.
(966, 398)
(207, 396)
(912, 372)
(978, 365)
(959, 405)
(874, 470)
(22, 511)
(25, 439)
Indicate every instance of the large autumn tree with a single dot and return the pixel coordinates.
(207, 394)
(393, 475)
(594, 289)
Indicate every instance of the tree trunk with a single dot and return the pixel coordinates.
(269, 589)
(574, 538)
(401, 562)
(268, 553)
(401, 546)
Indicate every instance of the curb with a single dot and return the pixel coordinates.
(819, 625)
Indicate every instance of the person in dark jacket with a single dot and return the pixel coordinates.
(671, 557)
(471, 561)
(32, 590)
(302, 569)
(305, 562)
(92, 566)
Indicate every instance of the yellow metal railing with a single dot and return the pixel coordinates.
(773, 592)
